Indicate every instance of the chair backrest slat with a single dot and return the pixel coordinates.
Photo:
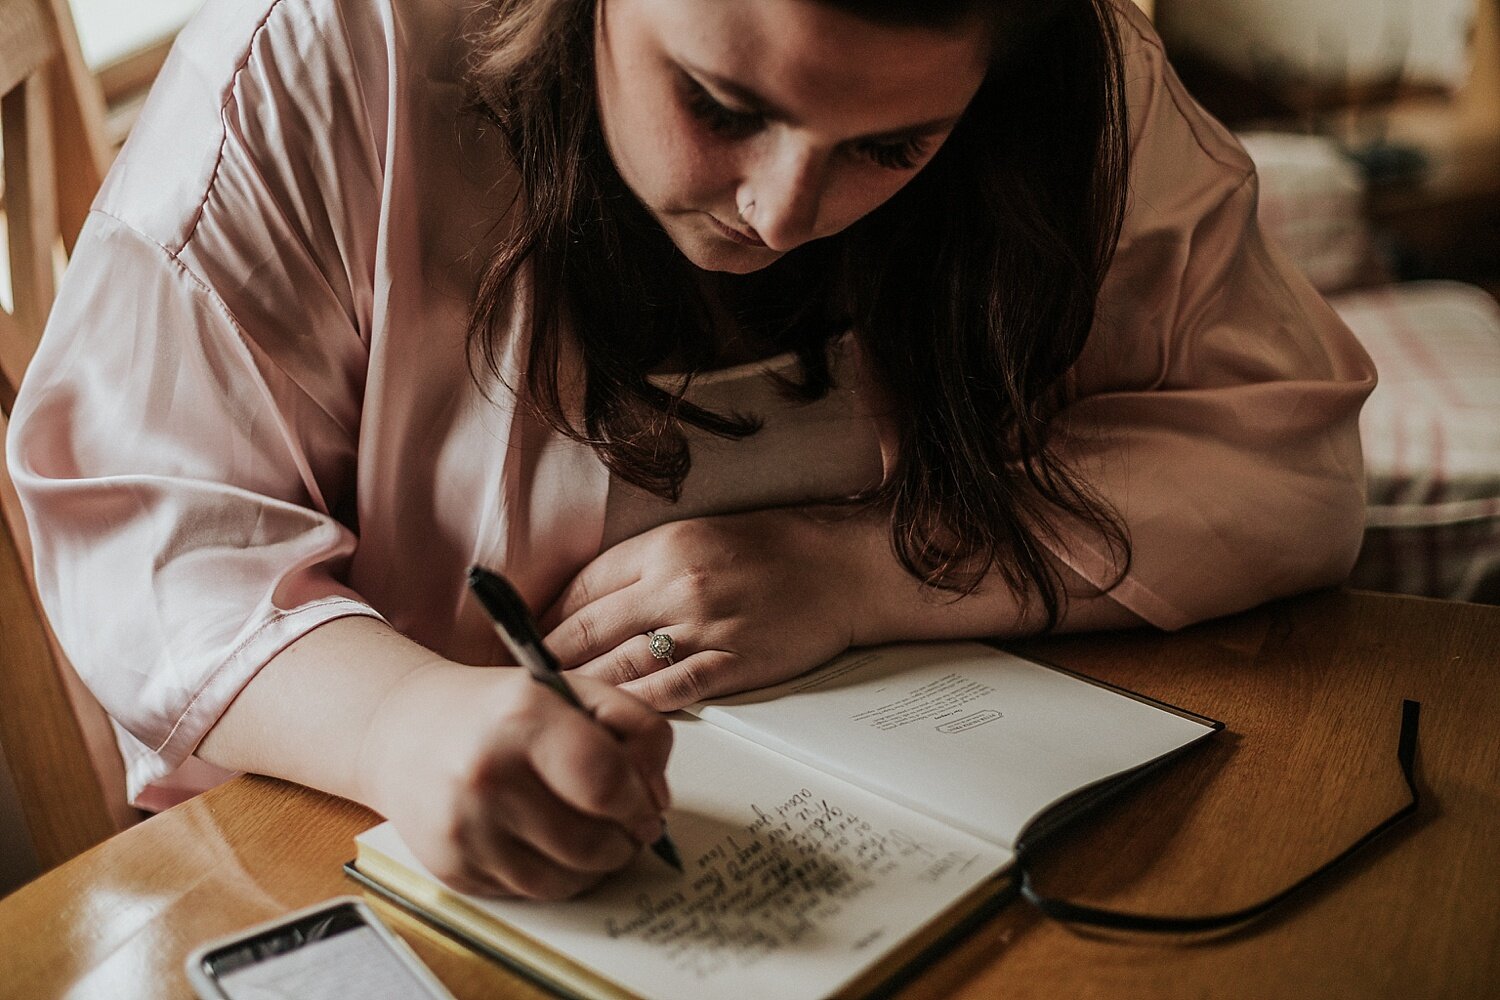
(26, 44)
(31, 210)
(79, 127)
(51, 736)
(56, 782)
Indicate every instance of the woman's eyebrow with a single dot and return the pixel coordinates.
(752, 102)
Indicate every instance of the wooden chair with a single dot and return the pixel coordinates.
(68, 775)
(83, 148)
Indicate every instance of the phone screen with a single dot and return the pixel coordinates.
(329, 955)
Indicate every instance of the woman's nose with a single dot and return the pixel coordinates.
(782, 196)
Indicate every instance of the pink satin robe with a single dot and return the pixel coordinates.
(252, 414)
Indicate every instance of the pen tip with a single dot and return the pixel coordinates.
(667, 851)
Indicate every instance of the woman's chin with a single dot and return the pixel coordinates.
(730, 264)
(729, 258)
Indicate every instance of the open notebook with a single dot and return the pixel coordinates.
(831, 827)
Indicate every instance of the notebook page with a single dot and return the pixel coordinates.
(964, 732)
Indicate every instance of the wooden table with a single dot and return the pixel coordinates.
(1310, 689)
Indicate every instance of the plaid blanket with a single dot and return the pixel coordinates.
(1431, 434)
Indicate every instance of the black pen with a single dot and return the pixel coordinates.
(518, 629)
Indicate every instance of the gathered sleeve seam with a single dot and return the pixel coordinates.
(219, 305)
(229, 97)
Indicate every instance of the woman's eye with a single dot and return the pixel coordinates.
(904, 155)
(732, 124)
(719, 119)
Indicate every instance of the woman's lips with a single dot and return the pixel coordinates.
(744, 239)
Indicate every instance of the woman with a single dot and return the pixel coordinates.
(377, 292)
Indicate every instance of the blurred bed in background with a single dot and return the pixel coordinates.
(1375, 125)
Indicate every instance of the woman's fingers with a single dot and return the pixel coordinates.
(641, 730)
(614, 569)
(589, 769)
(517, 868)
(600, 626)
(572, 796)
(633, 658)
(702, 675)
(473, 876)
(565, 837)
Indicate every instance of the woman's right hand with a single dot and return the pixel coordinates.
(500, 787)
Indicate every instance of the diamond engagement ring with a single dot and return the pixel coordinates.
(662, 646)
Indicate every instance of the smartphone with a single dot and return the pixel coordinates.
(331, 951)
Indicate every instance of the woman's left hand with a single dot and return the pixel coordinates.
(749, 599)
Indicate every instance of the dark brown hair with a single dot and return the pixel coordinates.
(972, 290)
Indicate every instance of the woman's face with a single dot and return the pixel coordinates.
(749, 127)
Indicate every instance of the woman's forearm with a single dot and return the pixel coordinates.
(895, 606)
(308, 715)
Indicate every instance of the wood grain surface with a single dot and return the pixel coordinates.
(1310, 690)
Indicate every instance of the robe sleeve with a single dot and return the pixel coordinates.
(184, 444)
(1216, 405)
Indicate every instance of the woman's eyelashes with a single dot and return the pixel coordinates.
(719, 119)
(904, 154)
